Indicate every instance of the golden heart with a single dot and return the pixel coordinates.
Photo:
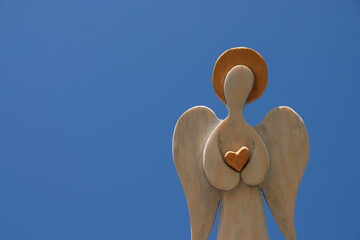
(237, 160)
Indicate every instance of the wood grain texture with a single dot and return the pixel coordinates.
(242, 215)
(190, 135)
(286, 139)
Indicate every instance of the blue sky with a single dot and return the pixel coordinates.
(90, 92)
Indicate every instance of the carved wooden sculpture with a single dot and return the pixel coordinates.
(231, 162)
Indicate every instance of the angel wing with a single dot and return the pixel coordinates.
(286, 139)
(190, 135)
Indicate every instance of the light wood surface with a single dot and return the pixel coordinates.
(242, 215)
(191, 132)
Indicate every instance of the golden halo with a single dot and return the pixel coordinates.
(240, 56)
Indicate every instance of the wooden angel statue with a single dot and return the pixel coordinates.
(229, 161)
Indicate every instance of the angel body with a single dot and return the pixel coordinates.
(278, 153)
(234, 133)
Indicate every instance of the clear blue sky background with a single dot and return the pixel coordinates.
(90, 92)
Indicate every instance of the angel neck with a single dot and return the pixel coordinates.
(236, 113)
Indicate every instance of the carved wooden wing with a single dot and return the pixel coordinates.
(190, 135)
(286, 139)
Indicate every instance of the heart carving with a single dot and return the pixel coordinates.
(237, 160)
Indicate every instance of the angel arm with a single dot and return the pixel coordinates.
(218, 173)
(255, 171)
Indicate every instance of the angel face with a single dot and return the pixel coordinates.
(237, 86)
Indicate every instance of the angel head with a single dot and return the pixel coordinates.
(237, 87)
(251, 63)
